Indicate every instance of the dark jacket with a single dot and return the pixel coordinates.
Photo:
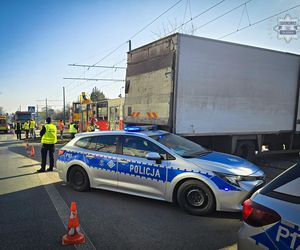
(18, 126)
(43, 130)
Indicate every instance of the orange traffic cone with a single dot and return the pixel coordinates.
(32, 152)
(73, 236)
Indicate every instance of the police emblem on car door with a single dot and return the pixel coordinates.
(136, 173)
(102, 159)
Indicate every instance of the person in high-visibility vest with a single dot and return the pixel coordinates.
(92, 127)
(49, 138)
(26, 128)
(32, 129)
(73, 129)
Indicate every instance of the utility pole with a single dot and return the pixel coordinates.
(46, 100)
(64, 103)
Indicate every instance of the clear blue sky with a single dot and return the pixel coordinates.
(39, 38)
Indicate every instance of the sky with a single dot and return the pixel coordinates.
(40, 38)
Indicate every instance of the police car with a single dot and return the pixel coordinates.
(272, 215)
(160, 165)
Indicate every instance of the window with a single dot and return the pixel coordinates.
(104, 143)
(285, 186)
(180, 145)
(83, 142)
(93, 143)
(140, 147)
(76, 107)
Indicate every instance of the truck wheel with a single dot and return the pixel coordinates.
(245, 149)
(196, 198)
(79, 179)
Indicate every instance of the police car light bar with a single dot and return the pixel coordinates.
(140, 128)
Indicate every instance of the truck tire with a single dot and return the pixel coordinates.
(79, 179)
(245, 149)
(196, 198)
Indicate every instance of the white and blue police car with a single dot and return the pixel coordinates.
(272, 215)
(160, 165)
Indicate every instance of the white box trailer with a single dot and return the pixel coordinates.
(229, 97)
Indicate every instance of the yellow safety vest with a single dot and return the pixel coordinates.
(91, 128)
(26, 126)
(50, 136)
(32, 124)
(72, 129)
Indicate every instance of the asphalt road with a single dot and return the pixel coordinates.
(34, 211)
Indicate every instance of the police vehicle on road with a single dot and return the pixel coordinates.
(157, 164)
(272, 215)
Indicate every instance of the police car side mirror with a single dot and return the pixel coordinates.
(154, 157)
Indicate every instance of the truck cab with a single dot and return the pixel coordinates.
(4, 127)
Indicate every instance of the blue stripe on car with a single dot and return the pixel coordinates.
(279, 236)
(148, 171)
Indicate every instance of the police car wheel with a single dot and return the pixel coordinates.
(79, 179)
(196, 198)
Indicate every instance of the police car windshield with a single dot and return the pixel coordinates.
(181, 146)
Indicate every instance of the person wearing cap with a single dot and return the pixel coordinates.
(49, 138)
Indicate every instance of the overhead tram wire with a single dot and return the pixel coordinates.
(195, 17)
(106, 75)
(134, 35)
(260, 21)
(138, 32)
(224, 14)
(94, 79)
(141, 30)
(96, 66)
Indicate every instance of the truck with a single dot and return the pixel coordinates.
(4, 126)
(23, 116)
(229, 97)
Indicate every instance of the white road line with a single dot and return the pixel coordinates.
(62, 209)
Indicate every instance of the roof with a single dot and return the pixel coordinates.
(122, 132)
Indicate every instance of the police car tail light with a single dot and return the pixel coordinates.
(61, 152)
(257, 215)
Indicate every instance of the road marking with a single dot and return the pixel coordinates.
(61, 207)
(232, 247)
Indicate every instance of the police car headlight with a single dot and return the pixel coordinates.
(231, 179)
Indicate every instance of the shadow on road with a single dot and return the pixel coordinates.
(21, 175)
(30, 221)
(30, 165)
